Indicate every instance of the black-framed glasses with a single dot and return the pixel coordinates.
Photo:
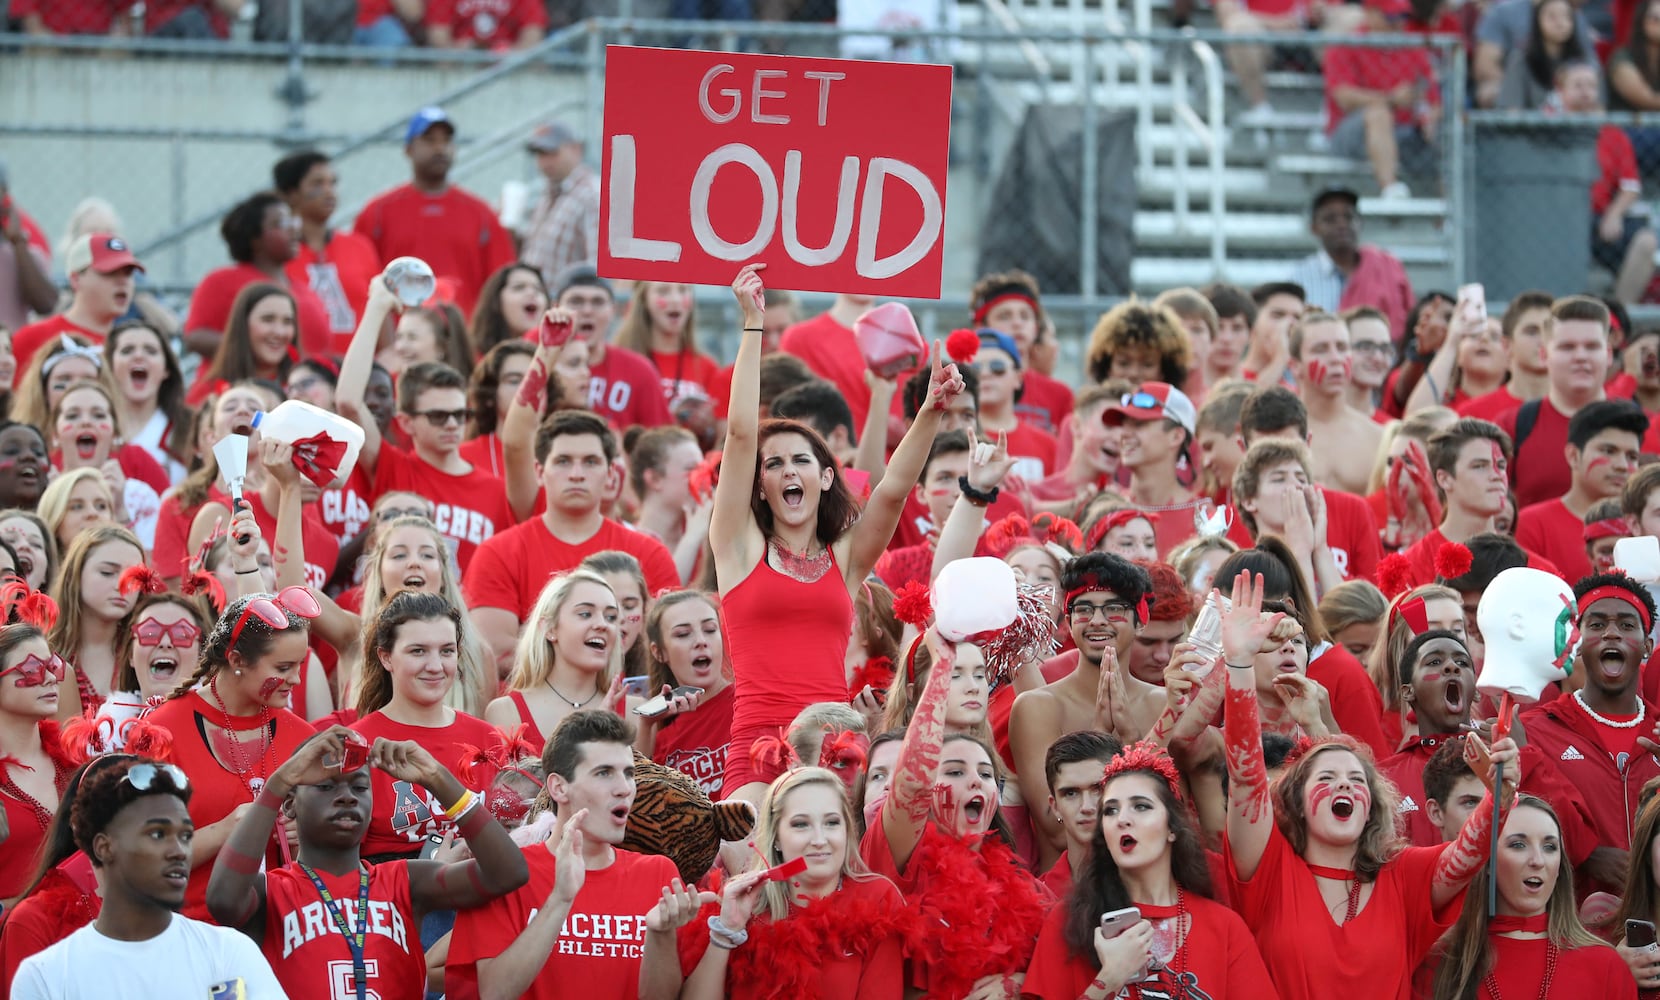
(1084, 612)
(441, 418)
(143, 777)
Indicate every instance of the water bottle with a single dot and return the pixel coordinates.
(1206, 635)
(411, 280)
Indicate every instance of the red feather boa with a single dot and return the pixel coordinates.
(982, 912)
(784, 960)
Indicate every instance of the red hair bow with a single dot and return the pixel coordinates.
(28, 606)
(480, 765)
(141, 577)
(772, 754)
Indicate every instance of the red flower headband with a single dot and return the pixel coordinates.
(1145, 756)
(1044, 530)
(85, 737)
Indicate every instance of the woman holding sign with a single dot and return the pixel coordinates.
(791, 546)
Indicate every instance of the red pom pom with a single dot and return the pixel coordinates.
(1452, 560)
(962, 345)
(147, 740)
(200, 582)
(912, 605)
(141, 577)
(1394, 574)
(770, 754)
(876, 674)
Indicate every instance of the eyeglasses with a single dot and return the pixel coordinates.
(1083, 612)
(1371, 347)
(33, 671)
(272, 611)
(993, 367)
(393, 513)
(142, 777)
(441, 418)
(1142, 401)
(149, 632)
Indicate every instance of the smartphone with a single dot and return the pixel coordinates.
(430, 846)
(1639, 935)
(1119, 921)
(1474, 297)
(636, 686)
(658, 705)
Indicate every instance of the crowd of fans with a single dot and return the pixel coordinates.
(608, 667)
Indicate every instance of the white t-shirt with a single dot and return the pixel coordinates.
(190, 960)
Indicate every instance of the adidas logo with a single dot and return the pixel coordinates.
(1572, 753)
(1407, 805)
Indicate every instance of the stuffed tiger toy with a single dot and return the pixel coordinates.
(673, 817)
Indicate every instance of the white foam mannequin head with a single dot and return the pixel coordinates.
(1529, 624)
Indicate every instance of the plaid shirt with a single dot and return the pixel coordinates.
(564, 228)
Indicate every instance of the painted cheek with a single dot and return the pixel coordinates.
(1498, 456)
(1363, 800)
(1316, 371)
(1319, 795)
(269, 688)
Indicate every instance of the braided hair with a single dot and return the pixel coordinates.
(254, 642)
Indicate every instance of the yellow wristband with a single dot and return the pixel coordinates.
(460, 806)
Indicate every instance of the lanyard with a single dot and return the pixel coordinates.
(354, 939)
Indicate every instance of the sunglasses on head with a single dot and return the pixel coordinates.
(33, 671)
(271, 610)
(1141, 401)
(143, 777)
(150, 631)
(393, 513)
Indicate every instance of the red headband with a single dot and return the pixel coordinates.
(1618, 593)
(996, 300)
(1608, 527)
(1117, 519)
(1145, 756)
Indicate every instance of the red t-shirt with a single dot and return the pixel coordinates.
(1218, 959)
(1034, 450)
(1539, 468)
(512, 568)
(1351, 534)
(1378, 69)
(1551, 529)
(210, 307)
(136, 463)
(303, 943)
(682, 369)
(168, 555)
(486, 452)
(1355, 702)
(339, 279)
(695, 743)
(486, 513)
(1045, 403)
(1519, 969)
(322, 548)
(344, 509)
(1492, 406)
(626, 390)
(1420, 556)
(1310, 956)
(56, 909)
(88, 17)
(455, 232)
(29, 339)
(600, 944)
(405, 814)
(833, 354)
(1617, 168)
(1058, 880)
(491, 24)
(216, 791)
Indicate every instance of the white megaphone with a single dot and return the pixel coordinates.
(232, 455)
(1528, 623)
(974, 596)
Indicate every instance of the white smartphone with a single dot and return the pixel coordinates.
(1474, 297)
(660, 704)
(1119, 921)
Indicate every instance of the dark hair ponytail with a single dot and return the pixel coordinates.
(253, 642)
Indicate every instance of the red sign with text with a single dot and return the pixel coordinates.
(831, 171)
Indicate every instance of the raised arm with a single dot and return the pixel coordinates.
(242, 548)
(356, 365)
(1461, 859)
(911, 793)
(987, 465)
(872, 456)
(288, 548)
(1250, 811)
(524, 414)
(733, 534)
(497, 866)
(870, 536)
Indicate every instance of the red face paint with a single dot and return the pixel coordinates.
(1499, 463)
(1599, 460)
(1316, 372)
(1319, 794)
(269, 688)
(1363, 800)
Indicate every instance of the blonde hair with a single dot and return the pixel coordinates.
(475, 682)
(817, 721)
(776, 895)
(1352, 602)
(533, 658)
(635, 331)
(28, 403)
(54, 500)
(65, 636)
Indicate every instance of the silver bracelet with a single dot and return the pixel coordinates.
(724, 937)
(1240, 666)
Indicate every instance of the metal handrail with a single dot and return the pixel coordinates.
(1007, 20)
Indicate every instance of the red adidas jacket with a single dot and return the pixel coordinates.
(1568, 739)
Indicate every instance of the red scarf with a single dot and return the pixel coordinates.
(990, 907)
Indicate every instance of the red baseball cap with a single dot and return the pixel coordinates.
(1153, 401)
(103, 252)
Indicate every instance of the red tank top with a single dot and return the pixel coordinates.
(533, 735)
(788, 641)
